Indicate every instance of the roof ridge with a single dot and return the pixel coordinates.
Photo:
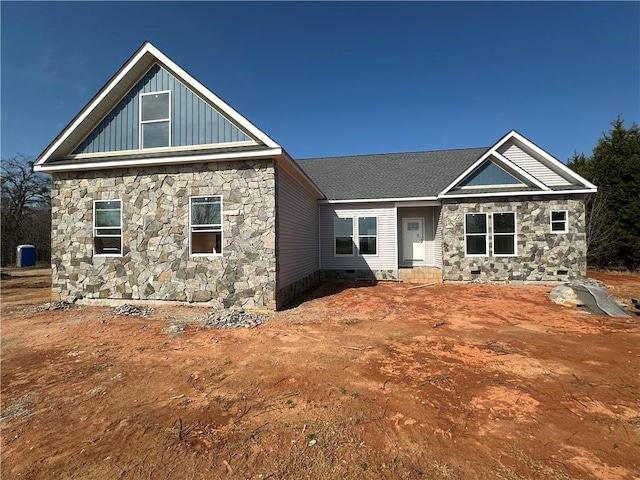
(390, 153)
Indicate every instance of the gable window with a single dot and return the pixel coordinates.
(368, 235)
(107, 227)
(504, 234)
(343, 236)
(475, 234)
(155, 119)
(205, 225)
(559, 222)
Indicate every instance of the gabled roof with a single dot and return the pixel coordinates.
(441, 174)
(115, 89)
(389, 175)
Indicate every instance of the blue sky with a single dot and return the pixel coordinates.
(326, 79)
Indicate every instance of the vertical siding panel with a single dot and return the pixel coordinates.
(193, 121)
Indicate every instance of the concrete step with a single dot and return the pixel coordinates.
(420, 275)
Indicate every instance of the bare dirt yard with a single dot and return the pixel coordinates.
(358, 381)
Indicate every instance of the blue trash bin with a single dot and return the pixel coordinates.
(26, 256)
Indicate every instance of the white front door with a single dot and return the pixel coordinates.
(412, 238)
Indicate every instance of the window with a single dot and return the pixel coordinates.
(475, 228)
(205, 225)
(155, 119)
(504, 233)
(107, 227)
(343, 236)
(368, 235)
(559, 223)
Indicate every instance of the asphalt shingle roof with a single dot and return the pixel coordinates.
(389, 175)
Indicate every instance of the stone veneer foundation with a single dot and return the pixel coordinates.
(540, 253)
(155, 264)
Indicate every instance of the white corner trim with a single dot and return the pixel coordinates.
(146, 162)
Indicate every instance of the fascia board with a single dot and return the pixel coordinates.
(148, 48)
(374, 200)
(148, 162)
(550, 158)
(213, 98)
(518, 194)
(93, 103)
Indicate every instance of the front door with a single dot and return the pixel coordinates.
(412, 235)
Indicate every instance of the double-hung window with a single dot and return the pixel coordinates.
(107, 227)
(475, 234)
(205, 225)
(559, 222)
(368, 235)
(504, 234)
(343, 236)
(155, 119)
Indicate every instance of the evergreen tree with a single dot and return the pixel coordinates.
(614, 167)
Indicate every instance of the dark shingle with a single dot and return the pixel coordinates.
(389, 175)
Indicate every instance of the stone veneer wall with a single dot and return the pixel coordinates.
(540, 254)
(155, 264)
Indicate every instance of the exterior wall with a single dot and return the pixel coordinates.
(156, 264)
(540, 253)
(432, 246)
(297, 237)
(193, 121)
(387, 257)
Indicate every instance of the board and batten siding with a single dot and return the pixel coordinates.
(532, 165)
(193, 121)
(297, 230)
(387, 257)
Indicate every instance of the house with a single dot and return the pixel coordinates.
(162, 191)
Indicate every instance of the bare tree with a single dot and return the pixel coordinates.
(600, 230)
(26, 209)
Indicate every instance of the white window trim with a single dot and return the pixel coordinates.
(376, 235)
(214, 228)
(566, 222)
(486, 234)
(95, 229)
(353, 231)
(515, 236)
(145, 122)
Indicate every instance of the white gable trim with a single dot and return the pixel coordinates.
(182, 75)
(517, 194)
(148, 162)
(509, 164)
(552, 159)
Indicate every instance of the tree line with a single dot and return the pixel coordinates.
(612, 214)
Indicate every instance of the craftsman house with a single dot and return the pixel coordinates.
(162, 191)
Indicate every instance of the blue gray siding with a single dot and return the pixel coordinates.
(387, 257)
(297, 230)
(193, 121)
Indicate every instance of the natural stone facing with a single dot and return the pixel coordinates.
(540, 253)
(156, 264)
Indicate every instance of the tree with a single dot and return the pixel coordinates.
(26, 209)
(613, 216)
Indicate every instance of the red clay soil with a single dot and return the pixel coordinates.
(359, 381)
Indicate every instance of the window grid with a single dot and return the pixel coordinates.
(107, 227)
(504, 234)
(205, 235)
(475, 229)
(154, 121)
(559, 221)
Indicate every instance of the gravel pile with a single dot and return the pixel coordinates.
(133, 310)
(234, 319)
(61, 305)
